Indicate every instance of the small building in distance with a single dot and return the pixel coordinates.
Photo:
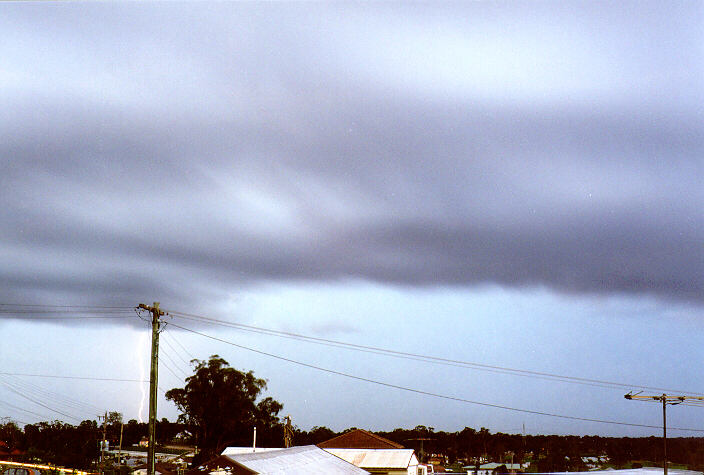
(488, 468)
(374, 453)
(383, 461)
(359, 439)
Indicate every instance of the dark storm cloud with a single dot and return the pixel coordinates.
(234, 146)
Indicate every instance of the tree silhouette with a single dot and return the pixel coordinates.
(219, 406)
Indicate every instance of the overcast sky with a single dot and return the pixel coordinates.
(516, 184)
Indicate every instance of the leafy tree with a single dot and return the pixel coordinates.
(219, 406)
(134, 431)
(11, 434)
(63, 444)
(114, 418)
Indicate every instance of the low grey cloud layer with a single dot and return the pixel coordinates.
(160, 149)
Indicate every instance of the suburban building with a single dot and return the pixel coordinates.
(359, 439)
(303, 460)
(382, 461)
(488, 468)
(374, 453)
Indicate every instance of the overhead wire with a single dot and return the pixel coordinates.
(53, 401)
(15, 420)
(173, 364)
(423, 392)
(58, 401)
(18, 408)
(165, 339)
(425, 358)
(56, 397)
(32, 305)
(59, 312)
(163, 363)
(86, 378)
(63, 312)
(172, 336)
(39, 403)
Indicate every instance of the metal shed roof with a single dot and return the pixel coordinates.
(302, 460)
(377, 458)
(248, 450)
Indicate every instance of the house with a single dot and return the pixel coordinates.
(374, 453)
(9, 454)
(488, 468)
(303, 460)
(359, 439)
(382, 461)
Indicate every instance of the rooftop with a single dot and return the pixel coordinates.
(359, 439)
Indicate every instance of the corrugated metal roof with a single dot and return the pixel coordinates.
(248, 450)
(296, 461)
(376, 458)
(493, 465)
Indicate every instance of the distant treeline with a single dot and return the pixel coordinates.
(547, 453)
(76, 446)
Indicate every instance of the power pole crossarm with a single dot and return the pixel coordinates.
(664, 399)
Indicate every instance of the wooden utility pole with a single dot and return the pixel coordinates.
(101, 469)
(119, 449)
(288, 432)
(665, 400)
(153, 383)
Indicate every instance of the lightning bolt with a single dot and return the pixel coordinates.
(141, 358)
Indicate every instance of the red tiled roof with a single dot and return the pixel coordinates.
(359, 439)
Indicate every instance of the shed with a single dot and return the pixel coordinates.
(381, 461)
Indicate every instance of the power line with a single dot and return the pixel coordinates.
(64, 306)
(424, 358)
(13, 419)
(39, 403)
(86, 378)
(173, 337)
(422, 392)
(162, 362)
(5, 403)
(55, 397)
(58, 311)
(176, 352)
(57, 317)
(63, 312)
(174, 364)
